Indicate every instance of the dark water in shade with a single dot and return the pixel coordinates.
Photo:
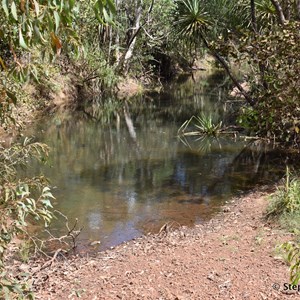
(122, 181)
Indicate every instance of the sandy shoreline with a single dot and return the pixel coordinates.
(233, 256)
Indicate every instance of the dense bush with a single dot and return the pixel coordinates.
(276, 113)
(18, 205)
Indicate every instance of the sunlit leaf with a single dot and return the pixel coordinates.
(5, 7)
(21, 40)
(57, 20)
(107, 18)
(14, 10)
(47, 203)
(61, 6)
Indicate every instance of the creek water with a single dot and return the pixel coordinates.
(133, 174)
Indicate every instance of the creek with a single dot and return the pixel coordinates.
(131, 174)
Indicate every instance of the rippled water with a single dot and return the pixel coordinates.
(133, 175)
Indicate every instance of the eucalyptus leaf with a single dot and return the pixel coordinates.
(57, 20)
(14, 10)
(22, 41)
(5, 7)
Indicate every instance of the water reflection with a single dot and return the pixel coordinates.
(133, 175)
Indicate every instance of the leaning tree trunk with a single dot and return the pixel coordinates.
(226, 67)
(124, 59)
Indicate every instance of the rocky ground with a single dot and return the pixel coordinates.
(233, 256)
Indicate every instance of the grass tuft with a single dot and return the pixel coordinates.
(285, 206)
(203, 124)
(286, 200)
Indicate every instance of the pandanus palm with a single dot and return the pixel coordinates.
(192, 21)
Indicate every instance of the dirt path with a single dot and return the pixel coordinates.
(231, 257)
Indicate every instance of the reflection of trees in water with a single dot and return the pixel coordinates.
(177, 102)
(137, 166)
(154, 167)
(261, 163)
(230, 173)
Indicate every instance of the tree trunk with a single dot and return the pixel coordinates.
(123, 62)
(287, 10)
(253, 16)
(298, 9)
(117, 37)
(132, 41)
(279, 11)
(226, 67)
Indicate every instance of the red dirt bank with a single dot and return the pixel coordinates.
(231, 257)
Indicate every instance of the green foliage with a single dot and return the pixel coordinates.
(30, 32)
(18, 205)
(285, 205)
(27, 26)
(204, 125)
(215, 19)
(272, 55)
(276, 114)
(190, 18)
(292, 250)
(46, 25)
(31, 27)
(97, 74)
(266, 13)
(287, 197)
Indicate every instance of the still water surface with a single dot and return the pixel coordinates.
(132, 176)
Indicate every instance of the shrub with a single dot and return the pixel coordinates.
(18, 206)
(285, 205)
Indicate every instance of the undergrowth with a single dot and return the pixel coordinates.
(285, 208)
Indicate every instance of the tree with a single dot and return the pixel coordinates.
(196, 20)
(266, 34)
(29, 28)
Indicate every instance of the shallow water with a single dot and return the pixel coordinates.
(132, 176)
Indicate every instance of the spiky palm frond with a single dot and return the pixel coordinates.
(190, 18)
(204, 125)
(266, 12)
(196, 18)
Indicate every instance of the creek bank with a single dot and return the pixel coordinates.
(232, 256)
